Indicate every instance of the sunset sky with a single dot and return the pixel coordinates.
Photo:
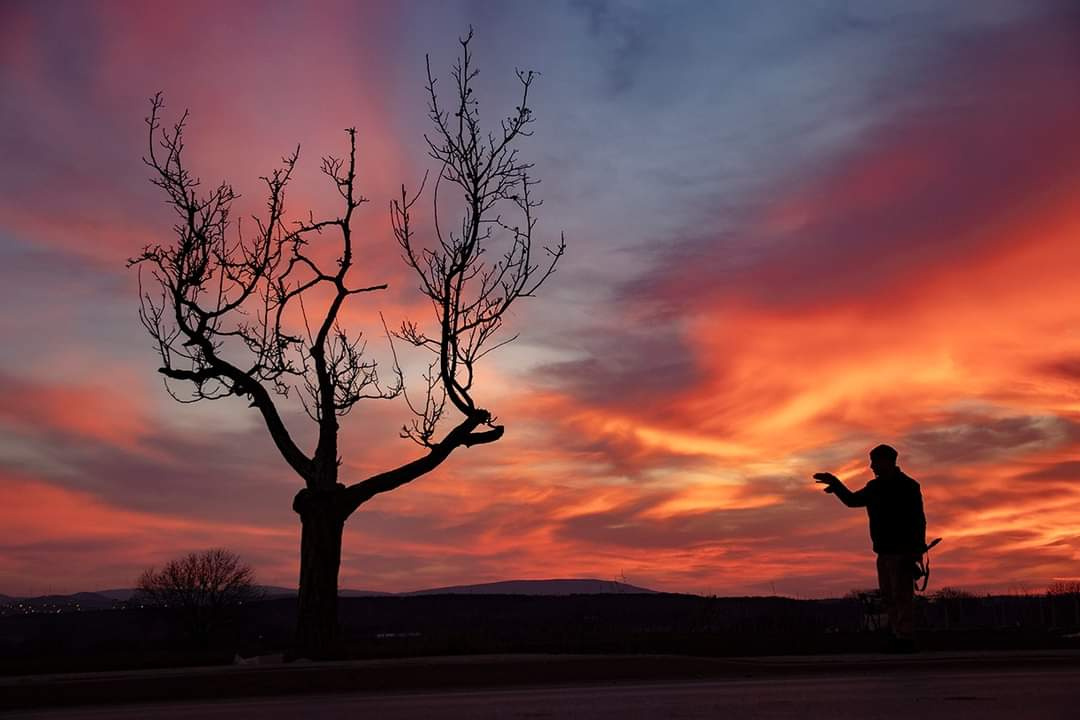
(795, 230)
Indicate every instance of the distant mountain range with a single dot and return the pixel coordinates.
(106, 599)
(538, 587)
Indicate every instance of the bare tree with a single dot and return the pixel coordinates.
(1065, 592)
(235, 317)
(1064, 588)
(201, 587)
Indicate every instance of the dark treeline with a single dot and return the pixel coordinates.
(477, 624)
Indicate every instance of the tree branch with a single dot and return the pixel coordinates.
(464, 435)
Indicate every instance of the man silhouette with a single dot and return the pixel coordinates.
(893, 501)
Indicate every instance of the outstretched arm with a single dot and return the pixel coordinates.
(834, 486)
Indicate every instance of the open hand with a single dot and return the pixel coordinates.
(829, 480)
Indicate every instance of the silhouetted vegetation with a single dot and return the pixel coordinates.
(202, 590)
(255, 314)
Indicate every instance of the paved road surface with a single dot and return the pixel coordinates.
(912, 695)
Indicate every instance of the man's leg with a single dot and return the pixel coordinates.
(885, 577)
(904, 597)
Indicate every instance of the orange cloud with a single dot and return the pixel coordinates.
(41, 520)
(97, 413)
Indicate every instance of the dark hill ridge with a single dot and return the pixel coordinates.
(538, 587)
(105, 599)
(118, 593)
(276, 591)
(75, 602)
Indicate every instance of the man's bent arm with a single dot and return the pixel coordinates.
(849, 498)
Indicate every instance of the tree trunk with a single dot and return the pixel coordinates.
(322, 521)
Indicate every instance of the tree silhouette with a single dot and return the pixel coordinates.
(202, 588)
(229, 315)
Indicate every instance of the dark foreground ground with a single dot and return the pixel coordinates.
(645, 624)
(989, 686)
